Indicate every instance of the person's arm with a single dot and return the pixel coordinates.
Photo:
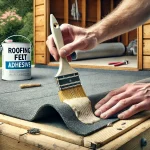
(127, 16)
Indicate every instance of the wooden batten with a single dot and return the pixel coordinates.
(140, 47)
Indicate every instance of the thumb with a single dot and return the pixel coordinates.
(71, 47)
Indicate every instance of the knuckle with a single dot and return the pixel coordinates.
(123, 103)
(115, 99)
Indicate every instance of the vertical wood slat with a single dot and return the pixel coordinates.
(99, 13)
(140, 47)
(112, 5)
(48, 30)
(45, 28)
(126, 38)
(34, 4)
(83, 23)
(66, 11)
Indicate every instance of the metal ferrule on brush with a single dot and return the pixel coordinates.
(68, 81)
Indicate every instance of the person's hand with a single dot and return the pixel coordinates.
(75, 38)
(136, 95)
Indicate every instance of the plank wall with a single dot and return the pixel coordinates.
(91, 11)
(40, 29)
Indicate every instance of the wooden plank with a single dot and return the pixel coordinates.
(40, 141)
(99, 15)
(66, 11)
(40, 48)
(39, 2)
(39, 21)
(146, 47)
(132, 139)
(146, 31)
(140, 47)
(55, 64)
(47, 130)
(146, 62)
(102, 63)
(40, 36)
(83, 23)
(104, 136)
(39, 10)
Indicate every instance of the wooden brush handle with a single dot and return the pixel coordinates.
(64, 67)
(22, 86)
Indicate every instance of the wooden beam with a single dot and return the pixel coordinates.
(47, 130)
(40, 141)
(108, 134)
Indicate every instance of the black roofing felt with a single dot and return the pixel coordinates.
(42, 103)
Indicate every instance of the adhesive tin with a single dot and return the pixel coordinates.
(16, 60)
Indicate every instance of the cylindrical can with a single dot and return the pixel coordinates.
(16, 60)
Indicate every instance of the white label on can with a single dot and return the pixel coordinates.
(20, 58)
(16, 63)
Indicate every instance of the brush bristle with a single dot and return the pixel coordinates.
(75, 92)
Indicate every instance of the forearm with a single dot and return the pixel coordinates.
(127, 16)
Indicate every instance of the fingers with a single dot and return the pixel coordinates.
(117, 107)
(71, 47)
(52, 48)
(109, 96)
(133, 110)
(110, 103)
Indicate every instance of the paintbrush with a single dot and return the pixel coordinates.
(67, 78)
(71, 91)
